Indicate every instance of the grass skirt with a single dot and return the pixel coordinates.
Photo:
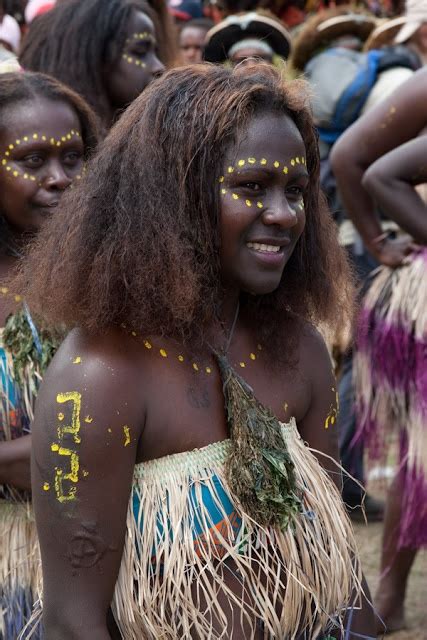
(266, 583)
(19, 566)
(390, 375)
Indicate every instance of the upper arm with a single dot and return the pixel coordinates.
(394, 121)
(319, 425)
(85, 437)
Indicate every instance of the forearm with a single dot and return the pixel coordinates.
(15, 463)
(401, 202)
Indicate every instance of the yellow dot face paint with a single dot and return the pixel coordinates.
(5, 157)
(243, 162)
(163, 353)
(77, 360)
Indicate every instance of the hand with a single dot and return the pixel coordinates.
(392, 252)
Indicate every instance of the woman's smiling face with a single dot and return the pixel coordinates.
(262, 214)
(41, 153)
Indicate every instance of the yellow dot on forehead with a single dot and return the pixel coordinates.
(251, 160)
(15, 174)
(276, 164)
(285, 169)
(242, 364)
(6, 153)
(252, 356)
(44, 138)
(223, 191)
(68, 136)
(25, 138)
(147, 344)
(195, 366)
(8, 169)
(263, 161)
(181, 358)
(259, 205)
(221, 179)
(163, 353)
(230, 169)
(35, 136)
(248, 203)
(293, 162)
(4, 162)
(17, 142)
(234, 196)
(11, 146)
(297, 160)
(241, 163)
(63, 138)
(52, 141)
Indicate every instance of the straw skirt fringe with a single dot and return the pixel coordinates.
(263, 583)
(390, 376)
(19, 567)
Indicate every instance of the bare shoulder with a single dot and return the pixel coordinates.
(314, 357)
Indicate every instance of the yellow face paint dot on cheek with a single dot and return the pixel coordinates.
(285, 170)
(251, 160)
(234, 196)
(248, 203)
(259, 205)
(195, 366)
(223, 192)
(181, 358)
(147, 344)
(163, 353)
(263, 161)
(276, 164)
(230, 169)
(293, 162)
(241, 163)
(46, 486)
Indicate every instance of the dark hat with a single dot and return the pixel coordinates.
(224, 35)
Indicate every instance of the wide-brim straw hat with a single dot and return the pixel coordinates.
(224, 35)
(415, 16)
(384, 34)
(325, 27)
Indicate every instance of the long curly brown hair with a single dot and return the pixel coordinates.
(138, 241)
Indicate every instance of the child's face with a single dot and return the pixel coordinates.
(137, 65)
(191, 41)
(262, 212)
(41, 154)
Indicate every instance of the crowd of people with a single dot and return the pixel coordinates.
(213, 312)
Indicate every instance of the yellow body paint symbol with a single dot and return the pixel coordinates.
(77, 360)
(88, 419)
(72, 476)
(126, 432)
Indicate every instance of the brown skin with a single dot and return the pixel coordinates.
(395, 121)
(126, 80)
(391, 181)
(25, 204)
(191, 40)
(250, 52)
(168, 407)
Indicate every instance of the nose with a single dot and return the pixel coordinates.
(55, 178)
(158, 67)
(279, 211)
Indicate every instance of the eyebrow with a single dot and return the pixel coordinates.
(297, 171)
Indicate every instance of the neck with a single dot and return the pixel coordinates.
(225, 323)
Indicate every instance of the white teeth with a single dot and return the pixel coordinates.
(269, 248)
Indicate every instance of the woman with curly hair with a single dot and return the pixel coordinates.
(171, 478)
(106, 51)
